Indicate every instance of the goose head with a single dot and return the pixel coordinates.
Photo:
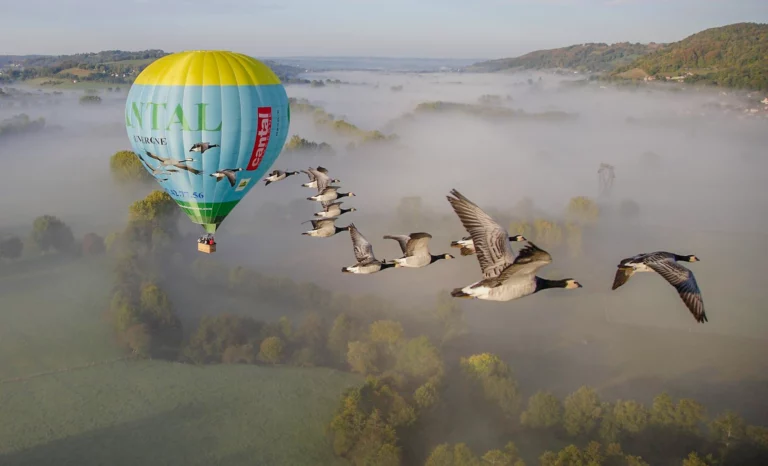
(352, 209)
(448, 256)
(335, 181)
(691, 258)
(570, 284)
(517, 238)
(350, 194)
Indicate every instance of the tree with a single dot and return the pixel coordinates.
(48, 232)
(11, 248)
(631, 416)
(581, 411)
(139, 340)
(694, 460)
(507, 457)
(574, 239)
(126, 167)
(341, 333)
(442, 455)
(159, 209)
(689, 414)
(545, 411)
(271, 350)
(389, 332)
(463, 456)
(548, 233)
(728, 428)
(426, 396)
(583, 210)
(495, 376)
(450, 315)
(93, 244)
(419, 359)
(362, 357)
(663, 411)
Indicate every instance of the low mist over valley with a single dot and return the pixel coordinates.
(121, 344)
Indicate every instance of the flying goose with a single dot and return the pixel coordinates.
(229, 173)
(277, 175)
(666, 264)
(467, 246)
(322, 180)
(313, 178)
(490, 240)
(174, 163)
(366, 261)
(329, 194)
(202, 147)
(333, 210)
(517, 280)
(324, 228)
(415, 248)
(155, 171)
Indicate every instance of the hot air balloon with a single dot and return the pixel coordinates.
(207, 125)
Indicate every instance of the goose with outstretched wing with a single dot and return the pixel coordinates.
(666, 264)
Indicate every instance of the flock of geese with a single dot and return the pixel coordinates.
(504, 276)
(168, 166)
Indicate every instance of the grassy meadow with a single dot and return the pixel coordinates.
(151, 412)
(65, 394)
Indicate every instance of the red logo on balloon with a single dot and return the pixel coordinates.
(263, 129)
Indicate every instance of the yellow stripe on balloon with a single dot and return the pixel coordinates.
(207, 68)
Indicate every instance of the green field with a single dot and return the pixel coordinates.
(52, 315)
(68, 84)
(65, 396)
(137, 62)
(150, 412)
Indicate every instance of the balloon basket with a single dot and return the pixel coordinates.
(206, 248)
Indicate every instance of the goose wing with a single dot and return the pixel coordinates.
(323, 180)
(328, 204)
(363, 249)
(309, 174)
(685, 283)
(187, 168)
(402, 240)
(418, 244)
(322, 170)
(151, 155)
(491, 241)
(531, 258)
(623, 274)
(231, 177)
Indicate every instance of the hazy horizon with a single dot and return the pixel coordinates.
(491, 29)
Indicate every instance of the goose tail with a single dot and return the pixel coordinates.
(459, 293)
(467, 251)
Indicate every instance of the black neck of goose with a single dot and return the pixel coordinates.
(437, 258)
(344, 211)
(678, 257)
(339, 229)
(386, 265)
(543, 284)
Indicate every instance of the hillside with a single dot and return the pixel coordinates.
(583, 57)
(733, 56)
(106, 67)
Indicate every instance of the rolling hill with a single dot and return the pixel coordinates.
(591, 57)
(733, 56)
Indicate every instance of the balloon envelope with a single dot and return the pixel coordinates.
(208, 125)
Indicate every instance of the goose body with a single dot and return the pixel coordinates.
(366, 261)
(517, 280)
(504, 278)
(330, 193)
(467, 246)
(277, 175)
(666, 264)
(228, 173)
(415, 248)
(173, 163)
(202, 147)
(324, 228)
(318, 178)
(333, 210)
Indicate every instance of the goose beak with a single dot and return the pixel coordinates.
(448, 256)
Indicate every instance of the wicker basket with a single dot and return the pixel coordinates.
(206, 248)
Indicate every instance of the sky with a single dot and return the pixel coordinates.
(380, 28)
